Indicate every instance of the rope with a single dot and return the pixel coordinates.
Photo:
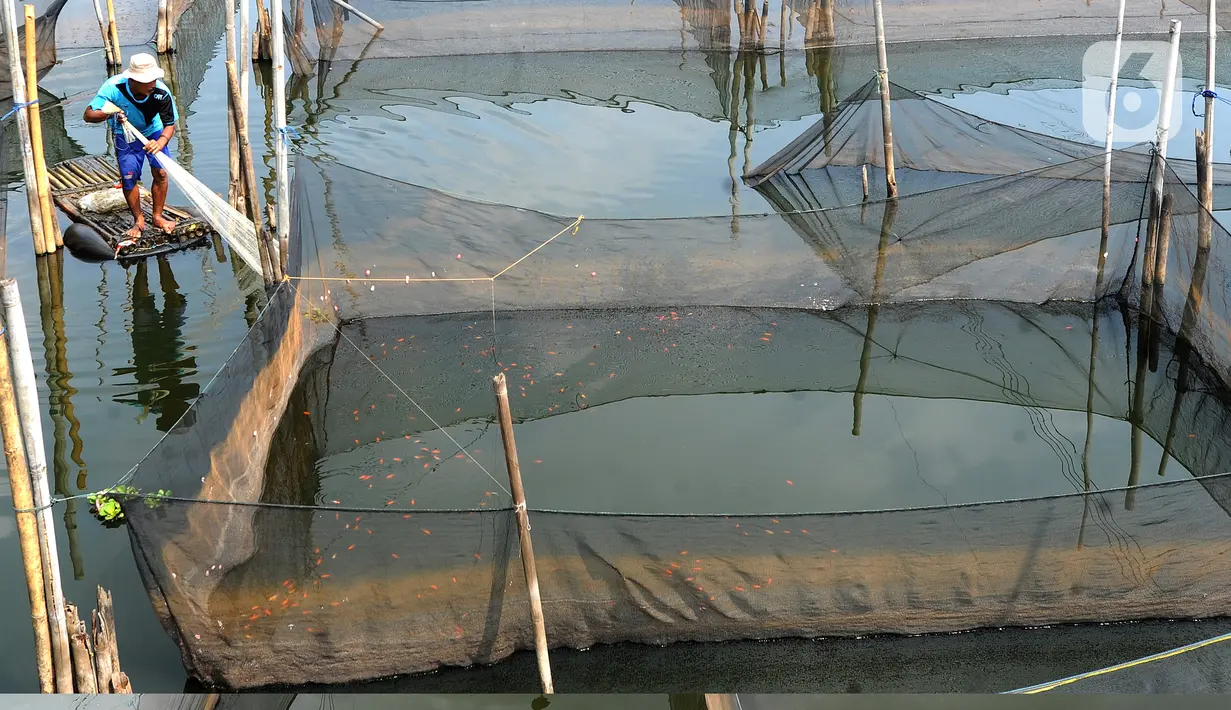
(17, 106)
(288, 132)
(1206, 94)
(1044, 687)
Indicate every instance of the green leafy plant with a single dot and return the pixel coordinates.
(107, 505)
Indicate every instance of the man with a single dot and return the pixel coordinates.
(145, 103)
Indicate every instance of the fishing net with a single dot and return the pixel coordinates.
(334, 508)
(45, 25)
(237, 230)
(415, 28)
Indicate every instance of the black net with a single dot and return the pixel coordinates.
(335, 506)
(419, 28)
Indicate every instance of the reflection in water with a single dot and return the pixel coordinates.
(60, 393)
(160, 366)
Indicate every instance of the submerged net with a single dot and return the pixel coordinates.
(338, 510)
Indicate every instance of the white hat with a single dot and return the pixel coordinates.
(143, 68)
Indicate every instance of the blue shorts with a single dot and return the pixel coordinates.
(131, 158)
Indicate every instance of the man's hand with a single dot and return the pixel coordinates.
(156, 145)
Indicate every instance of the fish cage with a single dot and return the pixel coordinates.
(334, 507)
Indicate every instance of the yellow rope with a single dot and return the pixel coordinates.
(1130, 664)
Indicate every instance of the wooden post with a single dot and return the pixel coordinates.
(115, 34)
(160, 31)
(27, 527)
(1206, 186)
(83, 659)
(1164, 243)
(523, 528)
(51, 226)
(882, 77)
(865, 181)
(261, 40)
(234, 192)
(249, 173)
(282, 201)
(346, 6)
(32, 434)
(18, 80)
(106, 651)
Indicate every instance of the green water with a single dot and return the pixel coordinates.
(139, 344)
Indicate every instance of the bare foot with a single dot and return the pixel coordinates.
(137, 229)
(166, 225)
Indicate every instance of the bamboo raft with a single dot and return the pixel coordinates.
(73, 179)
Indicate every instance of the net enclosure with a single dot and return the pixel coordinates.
(333, 507)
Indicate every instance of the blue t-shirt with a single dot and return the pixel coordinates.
(149, 115)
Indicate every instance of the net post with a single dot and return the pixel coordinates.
(500, 385)
(1206, 185)
(233, 188)
(160, 34)
(32, 435)
(20, 97)
(281, 192)
(249, 175)
(882, 74)
(52, 239)
(23, 500)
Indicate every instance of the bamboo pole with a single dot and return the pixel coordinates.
(245, 58)
(523, 529)
(27, 529)
(882, 76)
(115, 34)
(32, 434)
(347, 6)
(83, 659)
(106, 612)
(1164, 243)
(102, 30)
(261, 40)
(282, 201)
(18, 81)
(51, 226)
(1206, 186)
(724, 701)
(234, 196)
(249, 173)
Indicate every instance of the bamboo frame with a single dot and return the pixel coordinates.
(102, 31)
(234, 191)
(500, 385)
(52, 239)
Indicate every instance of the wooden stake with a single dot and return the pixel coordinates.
(282, 201)
(346, 6)
(104, 635)
(882, 75)
(51, 226)
(83, 659)
(523, 529)
(865, 182)
(261, 40)
(102, 654)
(115, 34)
(102, 30)
(249, 173)
(26, 391)
(1164, 243)
(27, 528)
(18, 80)
(245, 58)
